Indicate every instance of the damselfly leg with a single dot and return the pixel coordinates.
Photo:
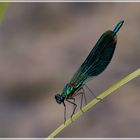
(64, 112)
(82, 93)
(78, 92)
(92, 92)
(74, 105)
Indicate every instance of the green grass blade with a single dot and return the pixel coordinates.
(126, 79)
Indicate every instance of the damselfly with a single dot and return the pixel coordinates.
(95, 63)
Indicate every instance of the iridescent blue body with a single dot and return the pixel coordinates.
(95, 63)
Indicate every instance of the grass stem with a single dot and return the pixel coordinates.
(104, 94)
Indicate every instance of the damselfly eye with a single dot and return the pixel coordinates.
(58, 98)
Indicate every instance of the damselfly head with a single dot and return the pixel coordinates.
(59, 98)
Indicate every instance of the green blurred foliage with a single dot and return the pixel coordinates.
(3, 8)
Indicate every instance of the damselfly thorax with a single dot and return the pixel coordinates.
(69, 90)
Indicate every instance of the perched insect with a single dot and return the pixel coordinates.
(96, 62)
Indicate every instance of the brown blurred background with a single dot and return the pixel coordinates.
(41, 47)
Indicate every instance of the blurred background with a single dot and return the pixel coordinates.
(41, 47)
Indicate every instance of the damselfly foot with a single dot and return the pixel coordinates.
(97, 98)
(71, 118)
(82, 110)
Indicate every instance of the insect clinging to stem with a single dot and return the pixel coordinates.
(95, 63)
